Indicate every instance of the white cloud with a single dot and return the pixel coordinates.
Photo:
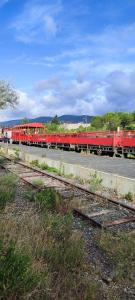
(120, 90)
(50, 83)
(93, 77)
(37, 22)
(27, 107)
(50, 25)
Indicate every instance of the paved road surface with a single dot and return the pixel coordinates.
(120, 166)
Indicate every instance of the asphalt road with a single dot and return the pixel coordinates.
(116, 165)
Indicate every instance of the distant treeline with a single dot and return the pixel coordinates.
(109, 121)
(113, 120)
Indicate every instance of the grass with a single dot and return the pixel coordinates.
(41, 255)
(16, 275)
(2, 159)
(121, 250)
(44, 166)
(17, 151)
(129, 196)
(55, 253)
(50, 199)
(95, 182)
(8, 184)
(62, 250)
(38, 182)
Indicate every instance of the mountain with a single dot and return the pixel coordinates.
(63, 119)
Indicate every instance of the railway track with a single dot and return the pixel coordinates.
(98, 210)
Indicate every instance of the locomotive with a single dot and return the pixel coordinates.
(110, 143)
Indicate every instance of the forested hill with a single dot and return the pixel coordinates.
(62, 119)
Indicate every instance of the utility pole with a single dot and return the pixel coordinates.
(86, 121)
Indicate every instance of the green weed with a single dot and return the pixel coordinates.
(17, 151)
(95, 182)
(129, 196)
(45, 167)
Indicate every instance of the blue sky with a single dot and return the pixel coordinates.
(68, 56)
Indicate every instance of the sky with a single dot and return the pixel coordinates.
(68, 56)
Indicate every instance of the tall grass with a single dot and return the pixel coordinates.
(8, 184)
(121, 250)
(41, 256)
(16, 275)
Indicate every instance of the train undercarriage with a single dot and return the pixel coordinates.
(88, 149)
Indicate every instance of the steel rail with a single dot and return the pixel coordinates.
(39, 172)
(78, 186)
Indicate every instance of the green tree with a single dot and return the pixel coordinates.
(8, 96)
(125, 119)
(111, 120)
(97, 122)
(133, 114)
(55, 120)
(130, 127)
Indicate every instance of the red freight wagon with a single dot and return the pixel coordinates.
(100, 142)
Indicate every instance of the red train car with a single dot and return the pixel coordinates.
(99, 142)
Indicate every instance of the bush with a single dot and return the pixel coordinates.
(16, 276)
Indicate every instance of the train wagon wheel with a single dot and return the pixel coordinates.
(99, 152)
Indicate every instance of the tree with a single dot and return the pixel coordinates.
(7, 95)
(133, 114)
(125, 119)
(130, 127)
(111, 120)
(97, 122)
(55, 120)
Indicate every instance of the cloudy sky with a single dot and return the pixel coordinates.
(68, 56)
